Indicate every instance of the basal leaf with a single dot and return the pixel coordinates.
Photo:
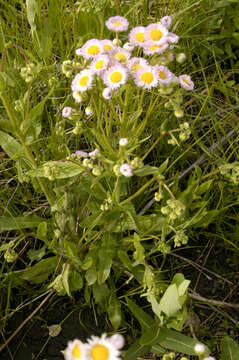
(19, 222)
(145, 320)
(230, 349)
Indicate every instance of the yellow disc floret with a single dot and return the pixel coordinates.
(116, 77)
(140, 37)
(84, 80)
(99, 64)
(136, 67)
(147, 77)
(93, 50)
(76, 351)
(156, 34)
(162, 75)
(99, 352)
(117, 23)
(121, 57)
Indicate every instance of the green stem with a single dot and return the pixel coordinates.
(139, 191)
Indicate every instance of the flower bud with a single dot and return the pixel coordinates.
(181, 58)
(117, 42)
(199, 349)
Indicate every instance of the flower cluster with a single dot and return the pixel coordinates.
(96, 348)
(113, 65)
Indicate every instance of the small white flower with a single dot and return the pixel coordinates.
(117, 341)
(75, 350)
(156, 33)
(115, 76)
(100, 63)
(186, 82)
(165, 76)
(107, 93)
(117, 23)
(128, 46)
(172, 38)
(100, 348)
(82, 81)
(91, 48)
(146, 77)
(166, 21)
(123, 141)
(67, 111)
(209, 358)
(199, 349)
(107, 45)
(150, 48)
(121, 55)
(136, 63)
(126, 170)
(137, 35)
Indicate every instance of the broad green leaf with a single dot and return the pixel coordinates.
(175, 341)
(91, 275)
(145, 320)
(19, 222)
(40, 272)
(42, 230)
(12, 147)
(88, 261)
(75, 281)
(157, 349)
(229, 348)
(150, 336)
(136, 351)
(32, 12)
(114, 311)
(146, 170)
(169, 303)
(139, 249)
(155, 305)
(33, 254)
(101, 292)
(59, 170)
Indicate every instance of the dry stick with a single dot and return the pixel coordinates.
(214, 147)
(26, 320)
(198, 297)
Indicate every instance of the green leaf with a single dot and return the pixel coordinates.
(42, 230)
(146, 170)
(7, 246)
(40, 272)
(150, 336)
(114, 311)
(169, 303)
(33, 254)
(60, 169)
(12, 147)
(229, 348)
(32, 12)
(139, 249)
(176, 341)
(91, 275)
(135, 351)
(65, 279)
(145, 320)
(75, 281)
(20, 222)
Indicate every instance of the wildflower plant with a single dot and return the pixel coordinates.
(99, 233)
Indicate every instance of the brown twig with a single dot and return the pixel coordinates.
(198, 297)
(26, 320)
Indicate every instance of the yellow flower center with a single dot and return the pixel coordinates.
(76, 352)
(140, 37)
(116, 77)
(186, 81)
(108, 47)
(117, 23)
(147, 77)
(136, 67)
(154, 47)
(162, 75)
(121, 57)
(99, 352)
(84, 80)
(156, 34)
(93, 50)
(99, 64)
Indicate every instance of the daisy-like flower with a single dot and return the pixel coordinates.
(107, 45)
(150, 48)
(156, 33)
(94, 152)
(77, 96)
(75, 350)
(80, 153)
(99, 64)
(123, 141)
(186, 82)
(121, 55)
(136, 63)
(100, 348)
(82, 81)
(117, 23)
(128, 46)
(137, 35)
(126, 170)
(172, 38)
(115, 76)
(107, 93)
(165, 76)
(91, 48)
(146, 77)
(166, 21)
(67, 111)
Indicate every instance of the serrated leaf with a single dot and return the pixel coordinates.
(229, 348)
